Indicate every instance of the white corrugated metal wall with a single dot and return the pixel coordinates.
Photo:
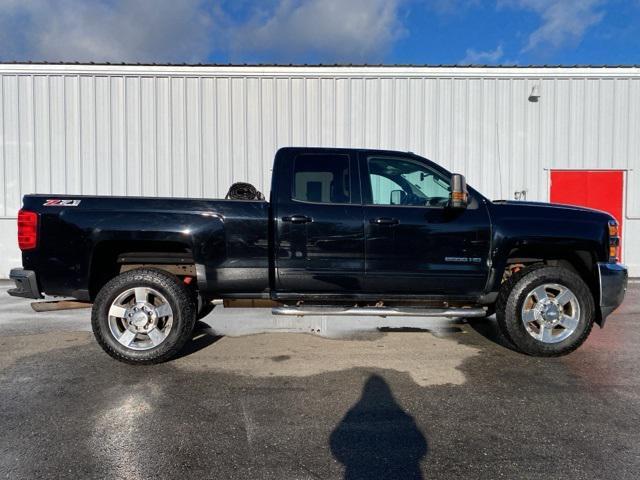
(192, 131)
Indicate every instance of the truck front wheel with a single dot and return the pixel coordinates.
(143, 316)
(545, 311)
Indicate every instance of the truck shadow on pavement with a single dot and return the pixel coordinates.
(203, 336)
(377, 439)
(488, 328)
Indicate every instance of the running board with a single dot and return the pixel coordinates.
(380, 311)
(57, 305)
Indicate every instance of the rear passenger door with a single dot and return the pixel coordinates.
(319, 226)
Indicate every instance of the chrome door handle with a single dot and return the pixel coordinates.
(297, 219)
(384, 221)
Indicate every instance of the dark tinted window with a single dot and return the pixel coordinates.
(321, 178)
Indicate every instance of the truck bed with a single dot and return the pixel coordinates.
(227, 240)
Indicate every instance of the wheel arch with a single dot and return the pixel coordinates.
(583, 261)
(112, 257)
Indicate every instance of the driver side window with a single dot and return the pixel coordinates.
(396, 181)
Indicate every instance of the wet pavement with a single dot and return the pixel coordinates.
(450, 402)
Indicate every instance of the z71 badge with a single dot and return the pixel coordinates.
(54, 202)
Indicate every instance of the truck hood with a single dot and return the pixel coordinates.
(552, 208)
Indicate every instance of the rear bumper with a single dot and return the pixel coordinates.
(613, 278)
(26, 284)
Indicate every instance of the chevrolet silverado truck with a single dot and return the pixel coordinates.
(345, 232)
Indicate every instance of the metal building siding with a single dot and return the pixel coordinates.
(192, 131)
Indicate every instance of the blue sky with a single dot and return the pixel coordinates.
(323, 31)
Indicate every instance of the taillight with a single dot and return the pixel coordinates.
(27, 230)
(614, 241)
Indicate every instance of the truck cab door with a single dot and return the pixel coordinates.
(415, 243)
(318, 223)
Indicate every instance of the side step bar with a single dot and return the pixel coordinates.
(380, 311)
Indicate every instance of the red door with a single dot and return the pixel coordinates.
(600, 189)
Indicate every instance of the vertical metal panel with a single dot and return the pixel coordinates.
(224, 132)
(607, 123)
(238, 121)
(26, 121)
(633, 151)
(209, 138)
(118, 137)
(12, 144)
(72, 130)
(148, 136)
(193, 137)
(576, 115)
(133, 107)
(163, 125)
(178, 141)
(173, 133)
(268, 125)
(532, 138)
(297, 94)
(103, 145)
(357, 112)
(327, 127)
(313, 116)
(342, 111)
(88, 130)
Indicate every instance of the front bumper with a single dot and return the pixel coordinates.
(613, 278)
(26, 284)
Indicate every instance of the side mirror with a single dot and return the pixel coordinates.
(459, 197)
(397, 196)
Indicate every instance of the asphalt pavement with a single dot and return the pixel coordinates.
(317, 398)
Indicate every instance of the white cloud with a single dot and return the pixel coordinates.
(563, 21)
(104, 30)
(190, 30)
(326, 30)
(479, 57)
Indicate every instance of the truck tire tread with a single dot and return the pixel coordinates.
(184, 318)
(507, 307)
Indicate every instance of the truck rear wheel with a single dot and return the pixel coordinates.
(143, 316)
(545, 311)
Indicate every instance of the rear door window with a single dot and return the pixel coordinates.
(321, 178)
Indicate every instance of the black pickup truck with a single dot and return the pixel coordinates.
(346, 232)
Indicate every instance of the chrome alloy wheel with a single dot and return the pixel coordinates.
(140, 318)
(551, 313)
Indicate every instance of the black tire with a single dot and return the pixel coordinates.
(176, 294)
(513, 294)
(203, 306)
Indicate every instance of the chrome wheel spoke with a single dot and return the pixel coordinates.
(528, 316)
(163, 310)
(117, 311)
(142, 294)
(545, 334)
(156, 337)
(126, 338)
(565, 297)
(540, 293)
(570, 323)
